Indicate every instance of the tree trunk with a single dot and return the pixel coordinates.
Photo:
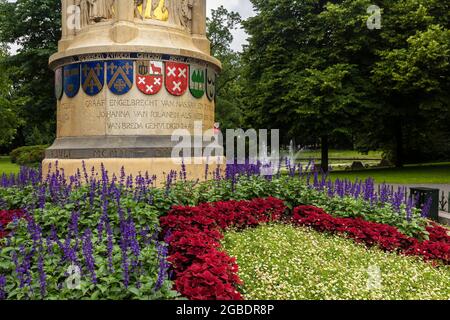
(324, 159)
(399, 145)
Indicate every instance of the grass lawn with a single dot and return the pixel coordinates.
(345, 154)
(286, 262)
(7, 167)
(432, 173)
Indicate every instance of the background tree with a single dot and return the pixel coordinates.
(9, 120)
(412, 78)
(315, 69)
(33, 29)
(302, 72)
(228, 102)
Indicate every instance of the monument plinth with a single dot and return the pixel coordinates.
(127, 74)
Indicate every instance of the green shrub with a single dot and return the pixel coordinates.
(61, 228)
(29, 155)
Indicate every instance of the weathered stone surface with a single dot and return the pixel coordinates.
(159, 167)
(129, 128)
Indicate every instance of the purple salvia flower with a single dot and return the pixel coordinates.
(73, 226)
(330, 189)
(88, 254)
(368, 189)
(427, 207)
(42, 196)
(316, 179)
(347, 187)
(15, 259)
(206, 170)
(357, 190)
(2, 287)
(163, 265)
(110, 246)
(339, 188)
(409, 208)
(397, 199)
(129, 184)
(42, 276)
(49, 243)
(384, 194)
(183, 171)
(122, 176)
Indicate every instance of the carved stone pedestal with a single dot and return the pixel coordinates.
(125, 84)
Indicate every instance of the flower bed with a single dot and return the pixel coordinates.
(279, 261)
(202, 272)
(386, 237)
(108, 224)
(93, 241)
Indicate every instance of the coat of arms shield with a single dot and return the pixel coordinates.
(72, 79)
(177, 78)
(149, 76)
(93, 77)
(211, 76)
(197, 81)
(120, 76)
(59, 85)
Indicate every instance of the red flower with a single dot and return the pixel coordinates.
(212, 277)
(202, 272)
(438, 233)
(386, 237)
(8, 216)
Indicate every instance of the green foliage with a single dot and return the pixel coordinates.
(293, 191)
(29, 155)
(314, 69)
(9, 119)
(34, 28)
(283, 262)
(229, 111)
(109, 284)
(145, 210)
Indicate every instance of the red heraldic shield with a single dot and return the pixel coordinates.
(149, 76)
(177, 78)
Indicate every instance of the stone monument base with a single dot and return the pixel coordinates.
(160, 167)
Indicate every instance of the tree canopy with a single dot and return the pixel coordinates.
(32, 29)
(315, 68)
(312, 68)
(228, 103)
